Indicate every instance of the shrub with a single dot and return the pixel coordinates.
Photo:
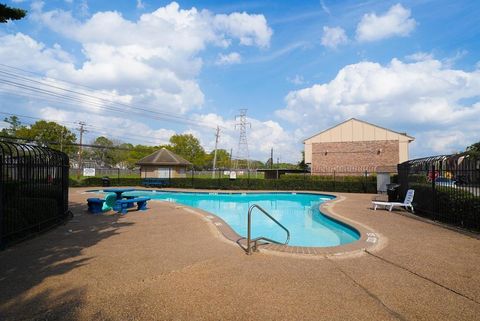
(355, 185)
(450, 205)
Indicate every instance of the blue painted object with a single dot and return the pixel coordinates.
(125, 204)
(95, 205)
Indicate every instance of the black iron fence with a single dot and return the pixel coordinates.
(447, 188)
(33, 190)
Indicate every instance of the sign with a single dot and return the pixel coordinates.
(233, 175)
(89, 172)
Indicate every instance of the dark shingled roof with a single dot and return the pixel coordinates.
(163, 157)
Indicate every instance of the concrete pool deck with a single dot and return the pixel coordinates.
(170, 264)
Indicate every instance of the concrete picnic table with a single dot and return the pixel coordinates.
(118, 191)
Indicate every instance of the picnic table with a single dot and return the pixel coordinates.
(118, 191)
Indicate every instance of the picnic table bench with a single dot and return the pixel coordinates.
(124, 204)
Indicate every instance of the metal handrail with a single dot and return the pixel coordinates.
(249, 234)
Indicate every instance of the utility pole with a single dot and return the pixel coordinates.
(271, 158)
(242, 152)
(217, 136)
(82, 130)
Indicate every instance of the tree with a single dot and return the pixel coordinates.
(15, 125)
(302, 164)
(474, 149)
(188, 147)
(9, 13)
(106, 154)
(223, 159)
(49, 134)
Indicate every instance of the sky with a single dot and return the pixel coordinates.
(141, 71)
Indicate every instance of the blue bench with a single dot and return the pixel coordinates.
(95, 205)
(155, 182)
(126, 203)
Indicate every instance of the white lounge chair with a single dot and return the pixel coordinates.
(407, 203)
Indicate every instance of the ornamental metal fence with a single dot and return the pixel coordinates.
(33, 190)
(447, 188)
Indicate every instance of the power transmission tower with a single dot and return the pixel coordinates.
(82, 130)
(217, 136)
(243, 157)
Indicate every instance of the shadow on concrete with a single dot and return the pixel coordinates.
(26, 265)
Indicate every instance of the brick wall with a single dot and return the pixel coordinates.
(355, 157)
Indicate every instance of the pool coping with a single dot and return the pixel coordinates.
(369, 239)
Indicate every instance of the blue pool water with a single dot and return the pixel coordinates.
(299, 213)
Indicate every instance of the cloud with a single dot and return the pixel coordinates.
(140, 4)
(297, 80)
(262, 136)
(324, 7)
(424, 98)
(420, 56)
(395, 22)
(229, 59)
(333, 36)
(155, 60)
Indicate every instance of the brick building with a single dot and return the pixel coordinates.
(356, 146)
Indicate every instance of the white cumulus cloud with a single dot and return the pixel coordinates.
(229, 59)
(395, 22)
(155, 60)
(423, 98)
(333, 37)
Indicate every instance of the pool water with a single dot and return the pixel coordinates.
(298, 212)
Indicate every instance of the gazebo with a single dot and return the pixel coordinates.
(163, 164)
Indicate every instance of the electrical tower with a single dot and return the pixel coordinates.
(242, 159)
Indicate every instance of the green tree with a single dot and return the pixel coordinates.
(223, 159)
(15, 125)
(49, 134)
(474, 149)
(9, 13)
(188, 146)
(105, 154)
(302, 164)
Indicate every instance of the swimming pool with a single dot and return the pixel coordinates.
(298, 212)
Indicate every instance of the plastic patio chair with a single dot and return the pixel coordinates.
(407, 203)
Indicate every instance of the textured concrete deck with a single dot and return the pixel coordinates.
(169, 264)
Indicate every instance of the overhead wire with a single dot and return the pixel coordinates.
(22, 82)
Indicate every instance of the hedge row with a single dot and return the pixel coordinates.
(450, 205)
(359, 186)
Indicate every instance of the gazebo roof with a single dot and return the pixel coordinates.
(163, 157)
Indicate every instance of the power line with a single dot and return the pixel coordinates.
(103, 131)
(97, 101)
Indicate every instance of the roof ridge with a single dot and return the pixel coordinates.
(362, 121)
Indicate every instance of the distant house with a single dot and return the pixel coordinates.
(163, 164)
(356, 146)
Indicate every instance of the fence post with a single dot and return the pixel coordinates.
(193, 174)
(118, 175)
(434, 192)
(365, 182)
(2, 199)
(334, 181)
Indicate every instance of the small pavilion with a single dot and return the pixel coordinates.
(163, 164)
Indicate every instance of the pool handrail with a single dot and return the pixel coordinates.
(249, 234)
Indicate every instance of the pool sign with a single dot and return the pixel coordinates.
(89, 172)
(233, 175)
